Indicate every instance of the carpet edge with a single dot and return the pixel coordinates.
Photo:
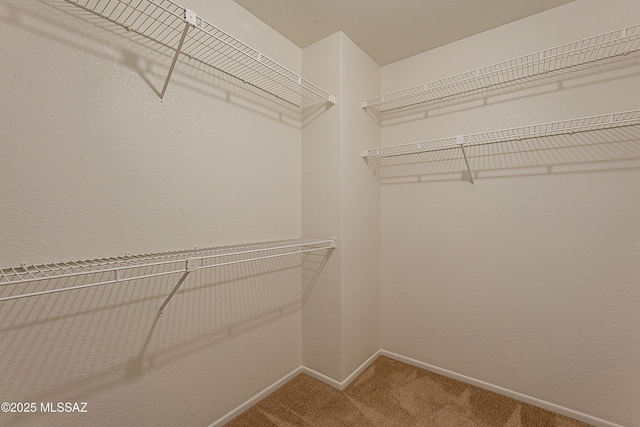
(597, 422)
(257, 398)
(344, 384)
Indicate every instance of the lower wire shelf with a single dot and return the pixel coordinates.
(623, 125)
(15, 281)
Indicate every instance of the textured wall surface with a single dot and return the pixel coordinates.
(528, 281)
(321, 314)
(360, 213)
(92, 166)
(341, 314)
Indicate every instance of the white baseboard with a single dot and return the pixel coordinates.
(322, 377)
(302, 369)
(503, 391)
(597, 422)
(257, 398)
(337, 384)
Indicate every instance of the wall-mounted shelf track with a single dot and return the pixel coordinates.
(565, 130)
(33, 280)
(578, 54)
(185, 33)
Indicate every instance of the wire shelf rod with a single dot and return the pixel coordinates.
(292, 77)
(87, 285)
(106, 265)
(474, 74)
(272, 86)
(581, 52)
(222, 264)
(565, 127)
(13, 275)
(77, 273)
(162, 21)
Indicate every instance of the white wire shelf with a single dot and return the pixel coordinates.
(15, 282)
(565, 128)
(540, 64)
(182, 31)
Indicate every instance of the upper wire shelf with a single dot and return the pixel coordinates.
(15, 281)
(182, 31)
(566, 129)
(539, 64)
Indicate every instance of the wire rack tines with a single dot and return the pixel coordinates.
(525, 68)
(24, 281)
(565, 128)
(183, 32)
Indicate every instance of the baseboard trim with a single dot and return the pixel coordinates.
(358, 371)
(321, 377)
(302, 369)
(344, 384)
(257, 398)
(597, 422)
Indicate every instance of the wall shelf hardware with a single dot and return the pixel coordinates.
(182, 31)
(16, 282)
(577, 54)
(566, 129)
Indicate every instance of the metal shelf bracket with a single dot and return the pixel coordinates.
(190, 19)
(460, 141)
(192, 264)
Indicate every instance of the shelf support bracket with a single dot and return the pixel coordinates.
(460, 140)
(192, 265)
(190, 19)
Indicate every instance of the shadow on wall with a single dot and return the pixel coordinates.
(81, 30)
(610, 69)
(71, 346)
(611, 57)
(597, 150)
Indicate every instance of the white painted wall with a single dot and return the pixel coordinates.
(236, 21)
(92, 166)
(341, 325)
(529, 280)
(360, 213)
(321, 179)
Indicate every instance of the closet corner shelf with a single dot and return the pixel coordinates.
(182, 31)
(24, 281)
(566, 128)
(546, 62)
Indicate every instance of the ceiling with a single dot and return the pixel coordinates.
(391, 30)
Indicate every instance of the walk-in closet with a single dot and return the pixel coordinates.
(213, 213)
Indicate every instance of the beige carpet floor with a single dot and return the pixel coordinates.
(390, 393)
